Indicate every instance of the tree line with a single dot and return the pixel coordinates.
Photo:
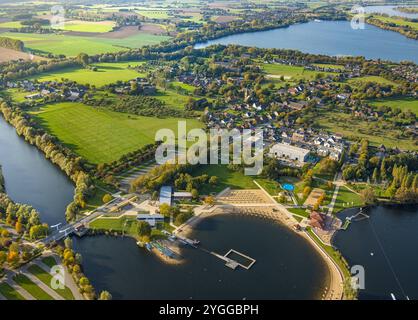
(65, 159)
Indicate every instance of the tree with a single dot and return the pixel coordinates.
(18, 225)
(68, 243)
(106, 198)
(165, 210)
(213, 180)
(38, 231)
(210, 200)
(368, 196)
(105, 295)
(143, 229)
(3, 258)
(195, 194)
(83, 58)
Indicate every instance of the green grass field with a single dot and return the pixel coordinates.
(100, 135)
(397, 21)
(73, 45)
(106, 73)
(293, 73)
(354, 128)
(377, 79)
(46, 278)
(402, 104)
(31, 287)
(227, 178)
(125, 224)
(346, 199)
(11, 24)
(172, 98)
(9, 293)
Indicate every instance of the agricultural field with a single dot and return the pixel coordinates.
(154, 14)
(102, 136)
(402, 104)
(106, 73)
(397, 21)
(10, 24)
(359, 129)
(88, 26)
(68, 45)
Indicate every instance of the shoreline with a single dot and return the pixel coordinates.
(335, 287)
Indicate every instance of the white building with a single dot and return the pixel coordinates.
(151, 219)
(287, 152)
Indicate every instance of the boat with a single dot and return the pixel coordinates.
(148, 246)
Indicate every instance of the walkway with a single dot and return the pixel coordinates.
(40, 284)
(9, 280)
(69, 281)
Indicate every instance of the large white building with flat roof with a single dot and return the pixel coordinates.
(288, 152)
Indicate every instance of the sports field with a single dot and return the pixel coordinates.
(102, 136)
(106, 73)
(73, 45)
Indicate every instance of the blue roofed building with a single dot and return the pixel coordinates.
(166, 194)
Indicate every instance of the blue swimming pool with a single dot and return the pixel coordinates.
(288, 187)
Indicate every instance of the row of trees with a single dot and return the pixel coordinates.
(13, 44)
(59, 155)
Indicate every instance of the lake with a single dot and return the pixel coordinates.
(31, 178)
(386, 245)
(286, 268)
(335, 38)
(390, 10)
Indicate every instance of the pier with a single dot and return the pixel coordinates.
(348, 220)
(233, 264)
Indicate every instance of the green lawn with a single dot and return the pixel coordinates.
(73, 45)
(89, 26)
(172, 98)
(126, 224)
(403, 104)
(31, 287)
(346, 199)
(9, 293)
(272, 187)
(46, 278)
(49, 261)
(354, 128)
(290, 72)
(106, 73)
(227, 178)
(101, 135)
(299, 211)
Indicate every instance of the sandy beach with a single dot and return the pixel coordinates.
(334, 290)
